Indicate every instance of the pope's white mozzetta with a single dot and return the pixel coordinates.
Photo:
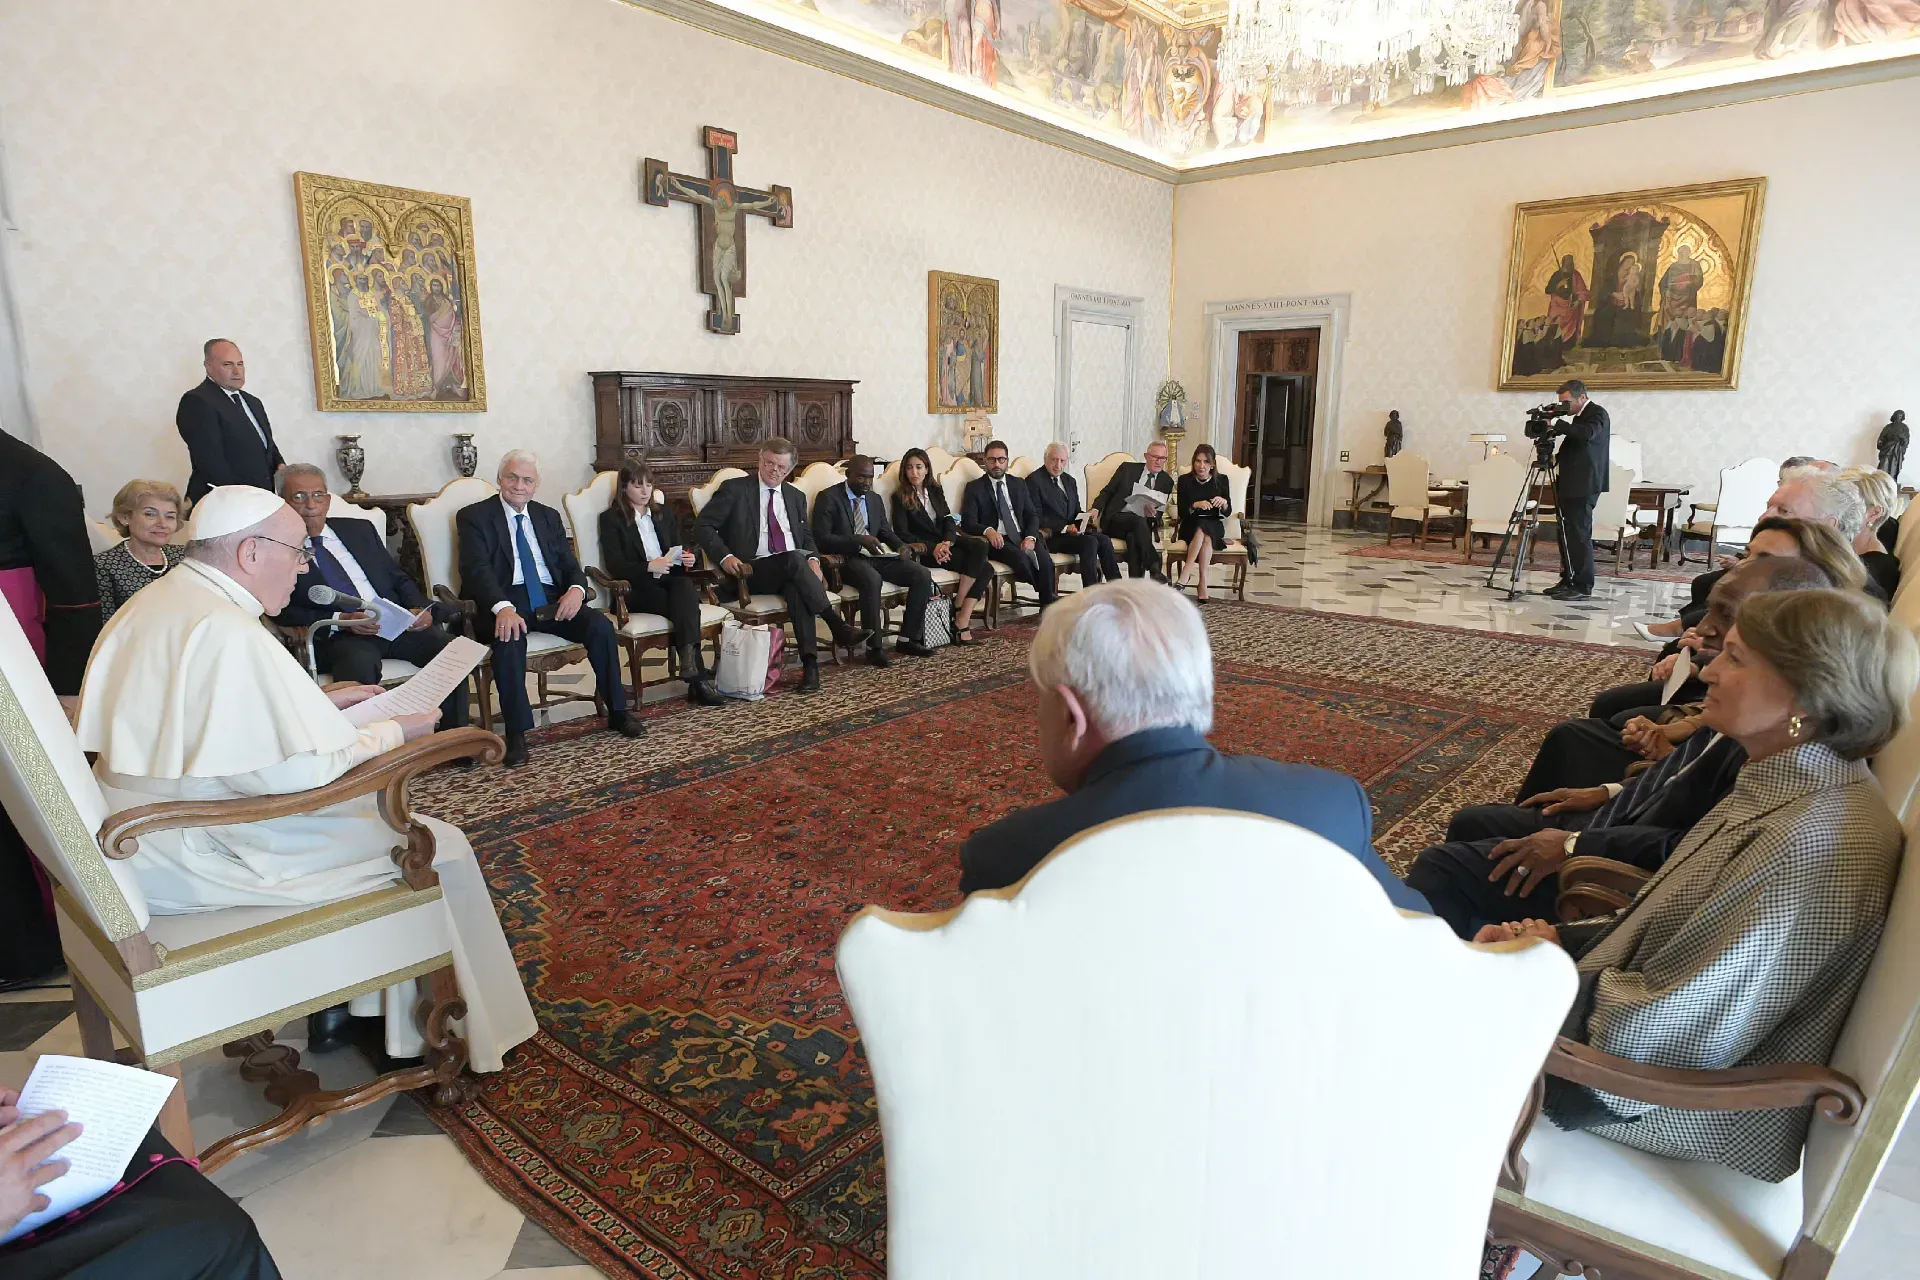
(189, 697)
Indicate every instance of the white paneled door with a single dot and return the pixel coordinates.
(1097, 391)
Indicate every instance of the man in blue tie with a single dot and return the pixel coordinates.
(516, 565)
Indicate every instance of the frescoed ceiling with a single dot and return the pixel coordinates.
(1135, 81)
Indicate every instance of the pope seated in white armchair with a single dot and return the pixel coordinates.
(189, 697)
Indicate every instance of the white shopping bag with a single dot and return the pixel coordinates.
(749, 663)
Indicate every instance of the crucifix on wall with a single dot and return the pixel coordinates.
(723, 209)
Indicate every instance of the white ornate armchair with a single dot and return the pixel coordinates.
(1234, 553)
(639, 632)
(1730, 517)
(1137, 1063)
(1493, 485)
(439, 539)
(173, 986)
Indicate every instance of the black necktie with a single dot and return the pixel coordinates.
(1006, 511)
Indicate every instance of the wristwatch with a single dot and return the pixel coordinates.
(1566, 846)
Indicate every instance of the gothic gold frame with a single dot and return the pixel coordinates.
(312, 194)
(936, 280)
(1754, 190)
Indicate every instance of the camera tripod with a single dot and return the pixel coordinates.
(1523, 522)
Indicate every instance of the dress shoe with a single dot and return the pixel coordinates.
(626, 726)
(516, 757)
(809, 676)
(700, 690)
(329, 1029)
(849, 637)
(1557, 592)
(701, 693)
(912, 650)
(1573, 593)
(877, 657)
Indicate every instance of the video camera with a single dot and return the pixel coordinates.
(1541, 420)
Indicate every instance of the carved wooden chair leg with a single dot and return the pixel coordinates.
(446, 1056)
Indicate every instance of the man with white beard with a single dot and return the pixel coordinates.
(189, 697)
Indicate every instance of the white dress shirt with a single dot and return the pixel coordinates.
(362, 584)
(648, 539)
(761, 551)
(513, 549)
(241, 401)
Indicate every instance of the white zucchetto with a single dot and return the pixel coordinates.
(229, 508)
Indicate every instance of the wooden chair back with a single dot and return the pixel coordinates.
(1492, 487)
(434, 529)
(1283, 996)
(699, 496)
(1100, 473)
(1239, 478)
(1407, 483)
(51, 796)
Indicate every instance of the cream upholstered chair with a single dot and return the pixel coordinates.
(102, 536)
(435, 531)
(1492, 487)
(1625, 453)
(1613, 516)
(1730, 517)
(1234, 554)
(1411, 499)
(939, 459)
(338, 508)
(174, 986)
(1101, 472)
(639, 632)
(1283, 998)
(1021, 467)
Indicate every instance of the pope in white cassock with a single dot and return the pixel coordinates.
(189, 697)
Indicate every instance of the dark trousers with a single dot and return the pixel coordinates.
(588, 627)
(346, 656)
(866, 577)
(1578, 753)
(1452, 877)
(674, 597)
(968, 558)
(29, 939)
(789, 574)
(1576, 539)
(172, 1224)
(1095, 552)
(1641, 697)
(1031, 567)
(1137, 533)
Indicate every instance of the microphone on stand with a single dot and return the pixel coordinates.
(322, 595)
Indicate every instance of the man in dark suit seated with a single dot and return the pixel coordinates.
(228, 437)
(1594, 750)
(1111, 517)
(998, 507)
(755, 527)
(852, 523)
(1057, 497)
(516, 564)
(1502, 862)
(1124, 678)
(349, 556)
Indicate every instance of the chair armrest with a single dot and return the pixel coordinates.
(616, 590)
(388, 773)
(1778, 1085)
(1597, 886)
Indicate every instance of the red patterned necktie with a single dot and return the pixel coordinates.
(776, 536)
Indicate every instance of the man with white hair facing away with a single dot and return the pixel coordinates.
(1123, 674)
(188, 697)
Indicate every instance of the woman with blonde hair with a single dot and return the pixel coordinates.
(146, 512)
(1874, 547)
(1748, 945)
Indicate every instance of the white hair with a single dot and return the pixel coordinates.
(1064, 451)
(1135, 652)
(292, 469)
(1835, 498)
(512, 456)
(1877, 489)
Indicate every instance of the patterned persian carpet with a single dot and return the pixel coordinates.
(1546, 556)
(697, 1104)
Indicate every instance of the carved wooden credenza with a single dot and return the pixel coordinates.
(689, 425)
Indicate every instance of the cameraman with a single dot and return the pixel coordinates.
(1580, 479)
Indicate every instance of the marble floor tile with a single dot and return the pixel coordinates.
(394, 1207)
(1885, 1241)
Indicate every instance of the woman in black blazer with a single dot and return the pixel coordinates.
(920, 515)
(1204, 503)
(635, 536)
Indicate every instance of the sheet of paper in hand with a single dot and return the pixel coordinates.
(1682, 668)
(1145, 500)
(425, 691)
(114, 1106)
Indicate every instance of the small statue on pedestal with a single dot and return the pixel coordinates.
(975, 431)
(1396, 433)
(1893, 444)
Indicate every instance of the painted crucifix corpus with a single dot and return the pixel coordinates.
(723, 209)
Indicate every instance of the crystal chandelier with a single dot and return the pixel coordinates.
(1324, 50)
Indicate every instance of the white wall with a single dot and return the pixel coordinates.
(1421, 243)
(151, 150)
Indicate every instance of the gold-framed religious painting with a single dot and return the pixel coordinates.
(1637, 290)
(963, 343)
(392, 301)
